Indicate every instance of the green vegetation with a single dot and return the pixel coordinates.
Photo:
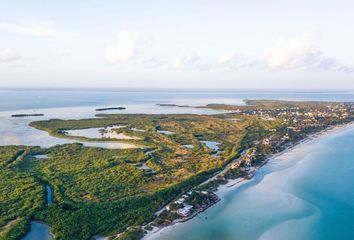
(21, 194)
(107, 191)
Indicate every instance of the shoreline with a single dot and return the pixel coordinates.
(234, 184)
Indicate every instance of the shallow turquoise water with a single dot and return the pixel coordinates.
(304, 194)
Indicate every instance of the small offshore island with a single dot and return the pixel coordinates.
(27, 115)
(109, 109)
(171, 177)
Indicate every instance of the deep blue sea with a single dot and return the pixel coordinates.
(306, 193)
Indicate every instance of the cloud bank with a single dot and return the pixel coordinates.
(300, 52)
(296, 52)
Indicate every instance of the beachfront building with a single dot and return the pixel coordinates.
(185, 211)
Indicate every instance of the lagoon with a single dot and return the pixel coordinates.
(78, 105)
(15, 131)
(213, 146)
(165, 132)
(101, 133)
(39, 231)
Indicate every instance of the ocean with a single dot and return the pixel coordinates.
(35, 99)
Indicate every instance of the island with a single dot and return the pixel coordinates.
(110, 108)
(125, 193)
(171, 105)
(27, 115)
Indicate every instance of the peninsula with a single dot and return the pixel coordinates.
(124, 193)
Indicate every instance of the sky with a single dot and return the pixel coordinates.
(200, 44)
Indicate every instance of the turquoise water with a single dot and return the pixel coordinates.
(306, 193)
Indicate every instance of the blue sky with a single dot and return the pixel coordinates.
(177, 44)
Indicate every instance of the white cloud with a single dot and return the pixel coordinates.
(225, 59)
(190, 61)
(292, 53)
(300, 52)
(8, 55)
(331, 64)
(235, 61)
(125, 49)
(45, 30)
(155, 62)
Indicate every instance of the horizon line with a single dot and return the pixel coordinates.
(130, 89)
